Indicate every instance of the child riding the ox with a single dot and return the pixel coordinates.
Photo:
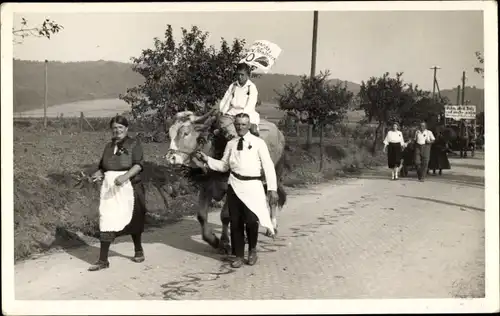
(240, 97)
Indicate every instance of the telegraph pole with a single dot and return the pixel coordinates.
(46, 94)
(434, 84)
(434, 81)
(463, 88)
(314, 44)
(313, 68)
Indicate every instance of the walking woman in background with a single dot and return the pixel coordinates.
(393, 145)
(439, 154)
(122, 206)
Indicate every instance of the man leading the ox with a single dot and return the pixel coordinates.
(240, 97)
(245, 156)
(423, 140)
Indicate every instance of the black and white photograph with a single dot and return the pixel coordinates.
(250, 158)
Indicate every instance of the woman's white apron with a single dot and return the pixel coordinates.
(117, 203)
(251, 192)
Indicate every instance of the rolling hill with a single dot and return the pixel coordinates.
(90, 80)
(82, 81)
(69, 82)
(473, 94)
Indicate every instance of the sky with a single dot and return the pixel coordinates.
(354, 46)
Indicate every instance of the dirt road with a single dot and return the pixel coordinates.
(359, 238)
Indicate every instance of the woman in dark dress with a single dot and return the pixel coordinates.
(122, 207)
(439, 155)
(393, 145)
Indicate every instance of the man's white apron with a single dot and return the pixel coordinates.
(251, 192)
(117, 203)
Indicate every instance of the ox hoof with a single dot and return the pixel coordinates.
(269, 233)
(225, 248)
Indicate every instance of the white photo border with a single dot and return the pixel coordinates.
(490, 303)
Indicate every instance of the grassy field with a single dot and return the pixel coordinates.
(50, 209)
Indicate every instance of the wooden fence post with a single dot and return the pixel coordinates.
(321, 131)
(81, 122)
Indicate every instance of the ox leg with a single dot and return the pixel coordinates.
(225, 244)
(206, 232)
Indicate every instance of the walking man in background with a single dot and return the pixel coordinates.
(423, 140)
(245, 156)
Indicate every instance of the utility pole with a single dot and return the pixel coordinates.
(434, 81)
(313, 68)
(434, 84)
(314, 44)
(46, 94)
(463, 88)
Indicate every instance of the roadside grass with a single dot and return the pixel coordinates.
(50, 207)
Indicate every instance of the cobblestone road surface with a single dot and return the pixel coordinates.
(358, 238)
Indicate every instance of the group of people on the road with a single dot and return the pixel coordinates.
(424, 151)
(122, 206)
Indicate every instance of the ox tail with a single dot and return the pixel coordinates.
(281, 167)
(281, 196)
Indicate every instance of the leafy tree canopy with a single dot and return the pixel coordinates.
(315, 100)
(188, 75)
(47, 29)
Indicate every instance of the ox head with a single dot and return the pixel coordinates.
(185, 138)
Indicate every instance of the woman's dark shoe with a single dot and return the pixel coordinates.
(252, 257)
(237, 263)
(139, 257)
(99, 265)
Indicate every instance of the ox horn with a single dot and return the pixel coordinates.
(186, 116)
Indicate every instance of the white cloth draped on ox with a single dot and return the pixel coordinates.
(249, 162)
(117, 203)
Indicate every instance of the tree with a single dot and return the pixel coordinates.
(480, 59)
(315, 101)
(423, 108)
(47, 29)
(383, 99)
(189, 75)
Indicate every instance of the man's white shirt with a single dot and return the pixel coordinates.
(249, 162)
(422, 136)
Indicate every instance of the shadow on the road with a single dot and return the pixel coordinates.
(470, 166)
(451, 178)
(75, 246)
(178, 235)
(443, 202)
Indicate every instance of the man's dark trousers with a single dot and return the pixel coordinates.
(241, 216)
(422, 155)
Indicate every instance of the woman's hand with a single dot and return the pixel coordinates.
(97, 176)
(384, 149)
(121, 180)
